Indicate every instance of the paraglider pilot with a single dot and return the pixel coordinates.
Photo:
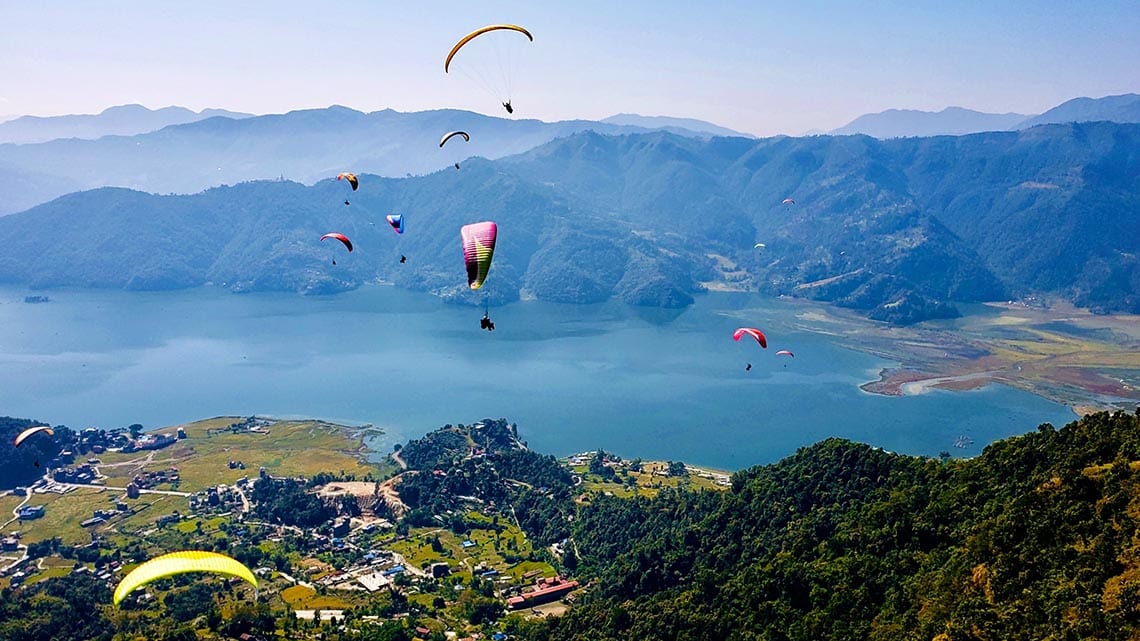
(403, 259)
(486, 323)
(508, 107)
(748, 367)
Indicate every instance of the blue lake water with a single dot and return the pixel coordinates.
(639, 382)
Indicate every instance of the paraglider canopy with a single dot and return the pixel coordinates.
(341, 237)
(488, 57)
(760, 246)
(478, 249)
(753, 332)
(788, 201)
(351, 178)
(478, 32)
(180, 563)
(397, 222)
(32, 430)
(785, 352)
(450, 135)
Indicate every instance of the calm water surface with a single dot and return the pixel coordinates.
(640, 382)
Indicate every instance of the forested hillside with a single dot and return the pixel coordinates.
(1036, 538)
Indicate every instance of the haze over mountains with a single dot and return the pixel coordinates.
(956, 121)
(898, 229)
(124, 120)
(306, 145)
(310, 145)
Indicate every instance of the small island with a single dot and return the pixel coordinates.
(36, 299)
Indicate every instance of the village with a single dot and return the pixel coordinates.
(322, 570)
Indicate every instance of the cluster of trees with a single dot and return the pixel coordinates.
(284, 501)
(536, 485)
(1035, 538)
(449, 444)
(57, 609)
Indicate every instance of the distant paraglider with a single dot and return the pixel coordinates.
(342, 238)
(397, 222)
(788, 201)
(753, 332)
(760, 246)
(352, 181)
(351, 178)
(35, 429)
(786, 352)
(488, 60)
(449, 136)
(179, 563)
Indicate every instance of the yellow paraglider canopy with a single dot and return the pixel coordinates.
(180, 563)
(478, 32)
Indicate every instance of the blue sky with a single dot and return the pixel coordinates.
(760, 67)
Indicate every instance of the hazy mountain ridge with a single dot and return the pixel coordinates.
(123, 120)
(306, 145)
(674, 125)
(954, 121)
(957, 121)
(1122, 108)
(897, 229)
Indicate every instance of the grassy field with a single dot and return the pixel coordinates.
(63, 514)
(300, 597)
(489, 549)
(289, 448)
(649, 481)
(7, 504)
(51, 567)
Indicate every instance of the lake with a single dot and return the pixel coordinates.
(656, 384)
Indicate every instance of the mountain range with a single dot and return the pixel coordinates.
(306, 146)
(956, 121)
(124, 120)
(897, 229)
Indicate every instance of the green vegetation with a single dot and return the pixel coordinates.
(1033, 539)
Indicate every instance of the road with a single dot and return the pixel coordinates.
(399, 461)
(23, 550)
(16, 511)
(123, 489)
(290, 579)
(244, 500)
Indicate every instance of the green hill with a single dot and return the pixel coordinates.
(1036, 538)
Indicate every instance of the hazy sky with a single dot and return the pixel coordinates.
(759, 67)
